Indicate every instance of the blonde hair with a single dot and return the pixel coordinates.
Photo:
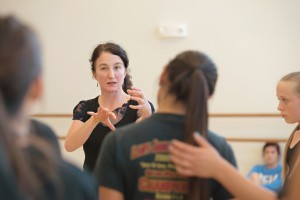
(293, 77)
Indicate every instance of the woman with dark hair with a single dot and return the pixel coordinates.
(134, 161)
(31, 164)
(118, 104)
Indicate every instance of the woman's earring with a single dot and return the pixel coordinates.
(97, 84)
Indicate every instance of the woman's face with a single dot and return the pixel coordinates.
(289, 101)
(109, 72)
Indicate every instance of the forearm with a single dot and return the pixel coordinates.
(76, 137)
(239, 186)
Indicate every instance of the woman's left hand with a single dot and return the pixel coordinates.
(143, 107)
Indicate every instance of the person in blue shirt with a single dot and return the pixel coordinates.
(268, 174)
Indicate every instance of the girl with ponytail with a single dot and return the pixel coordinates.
(134, 162)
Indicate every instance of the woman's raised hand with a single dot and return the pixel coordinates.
(103, 115)
(143, 107)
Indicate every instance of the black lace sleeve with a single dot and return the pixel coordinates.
(79, 111)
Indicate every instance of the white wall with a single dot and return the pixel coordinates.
(253, 42)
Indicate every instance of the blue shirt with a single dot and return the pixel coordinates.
(269, 178)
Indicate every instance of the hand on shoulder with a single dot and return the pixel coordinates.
(200, 161)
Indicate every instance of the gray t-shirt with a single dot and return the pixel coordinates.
(135, 160)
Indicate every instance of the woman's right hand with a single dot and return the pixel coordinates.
(103, 115)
